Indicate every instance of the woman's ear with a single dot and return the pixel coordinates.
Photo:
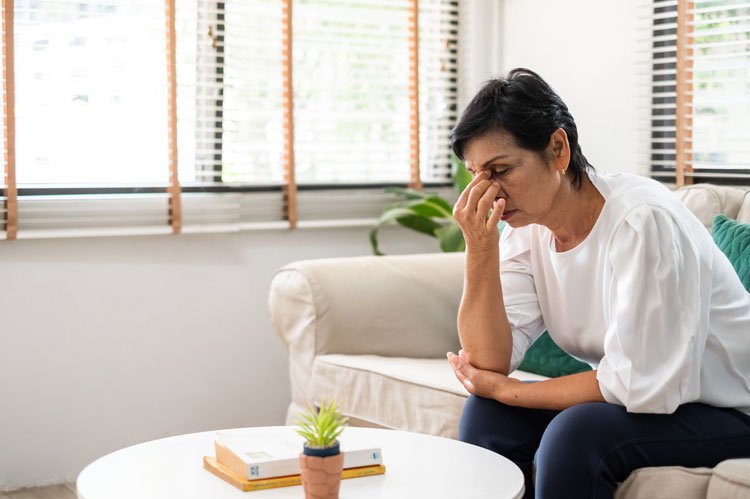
(560, 149)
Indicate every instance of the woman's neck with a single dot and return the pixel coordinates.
(574, 214)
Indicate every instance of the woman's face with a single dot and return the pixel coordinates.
(528, 183)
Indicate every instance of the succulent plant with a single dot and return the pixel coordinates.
(321, 428)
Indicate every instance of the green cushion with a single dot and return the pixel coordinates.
(733, 238)
(546, 358)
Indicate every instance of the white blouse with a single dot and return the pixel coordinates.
(647, 299)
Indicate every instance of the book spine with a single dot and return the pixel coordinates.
(363, 471)
(362, 457)
(286, 481)
(272, 483)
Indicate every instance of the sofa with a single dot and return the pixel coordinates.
(374, 331)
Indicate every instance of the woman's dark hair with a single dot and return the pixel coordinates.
(525, 106)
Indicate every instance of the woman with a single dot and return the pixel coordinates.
(622, 276)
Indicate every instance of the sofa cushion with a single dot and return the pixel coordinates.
(665, 482)
(546, 358)
(384, 391)
(733, 238)
(730, 480)
(744, 214)
(708, 200)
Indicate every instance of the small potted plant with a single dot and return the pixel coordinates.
(321, 459)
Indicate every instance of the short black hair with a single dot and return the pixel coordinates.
(525, 106)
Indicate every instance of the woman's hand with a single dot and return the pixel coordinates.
(487, 384)
(471, 212)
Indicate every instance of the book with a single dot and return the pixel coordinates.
(211, 464)
(255, 459)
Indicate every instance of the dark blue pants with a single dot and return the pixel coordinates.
(584, 451)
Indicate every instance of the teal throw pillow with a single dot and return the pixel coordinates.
(546, 358)
(733, 238)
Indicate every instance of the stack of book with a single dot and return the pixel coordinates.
(250, 464)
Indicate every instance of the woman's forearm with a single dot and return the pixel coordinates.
(482, 322)
(555, 394)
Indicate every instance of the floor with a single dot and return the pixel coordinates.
(62, 491)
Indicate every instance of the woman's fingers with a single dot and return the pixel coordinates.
(464, 197)
(497, 214)
(476, 194)
(485, 202)
(459, 368)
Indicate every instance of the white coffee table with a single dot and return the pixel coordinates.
(416, 466)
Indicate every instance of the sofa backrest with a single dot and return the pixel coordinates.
(708, 200)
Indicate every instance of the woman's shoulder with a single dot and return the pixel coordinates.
(634, 202)
(628, 195)
(632, 190)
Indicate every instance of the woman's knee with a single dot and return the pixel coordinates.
(572, 447)
(577, 430)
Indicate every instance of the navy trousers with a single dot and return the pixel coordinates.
(584, 451)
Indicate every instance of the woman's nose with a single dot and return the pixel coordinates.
(501, 192)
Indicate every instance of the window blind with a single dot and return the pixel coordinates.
(438, 86)
(720, 89)
(8, 194)
(351, 107)
(229, 90)
(700, 108)
(91, 112)
(94, 145)
(351, 112)
(91, 95)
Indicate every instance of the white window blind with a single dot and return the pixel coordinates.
(715, 131)
(661, 62)
(91, 99)
(92, 135)
(8, 204)
(229, 91)
(4, 169)
(438, 86)
(721, 89)
(90, 110)
(350, 66)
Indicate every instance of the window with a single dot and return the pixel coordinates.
(92, 134)
(91, 99)
(700, 108)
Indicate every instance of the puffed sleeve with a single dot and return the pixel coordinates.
(657, 313)
(519, 291)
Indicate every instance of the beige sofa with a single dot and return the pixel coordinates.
(374, 331)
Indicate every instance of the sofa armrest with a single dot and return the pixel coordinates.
(400, 306)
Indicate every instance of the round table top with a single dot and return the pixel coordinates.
(417, 465)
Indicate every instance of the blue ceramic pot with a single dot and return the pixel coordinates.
(322, 451)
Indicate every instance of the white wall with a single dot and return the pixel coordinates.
(109, 342)
(585, 49)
